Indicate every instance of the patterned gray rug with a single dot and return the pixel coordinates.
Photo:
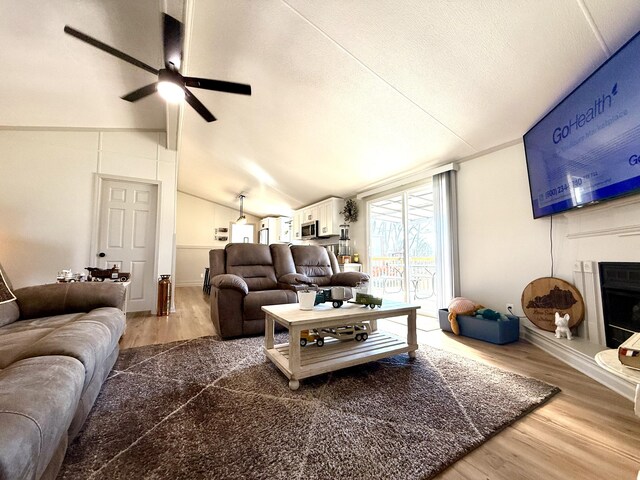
(204, 408)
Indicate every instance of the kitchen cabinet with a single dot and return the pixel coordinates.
(326, 213)
(297, 221)
(310, 213)
(329, 217)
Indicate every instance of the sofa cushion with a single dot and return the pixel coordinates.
(253, 263)
(313, 261)
(18, 336)
(37, 401)
(9, 311)
(282, 260)
(216, 262)
(60, 298)
(89, 338)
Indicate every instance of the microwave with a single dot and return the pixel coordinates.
(309, 230)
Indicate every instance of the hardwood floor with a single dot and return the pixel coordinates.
(585, 432)
(190, 320)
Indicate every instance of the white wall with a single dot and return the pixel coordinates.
(196, 222)
(502, 248)
(47, 195)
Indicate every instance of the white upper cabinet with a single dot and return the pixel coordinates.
(326, 213)
(330, 218)
(310, 213)
(295, 225)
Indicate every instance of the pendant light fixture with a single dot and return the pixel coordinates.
(242, 220)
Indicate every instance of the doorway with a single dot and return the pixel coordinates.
(242, 233)
(127, 221)
(402, 248)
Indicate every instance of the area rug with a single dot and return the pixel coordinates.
(214, 409)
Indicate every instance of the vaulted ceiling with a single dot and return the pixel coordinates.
(346, 94)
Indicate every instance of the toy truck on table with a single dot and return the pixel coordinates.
(357, 331)
(114, 273)
(336, 295)
(367, 300)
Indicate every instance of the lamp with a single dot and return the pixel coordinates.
(169, 86)
(170, 92)
(242, 220)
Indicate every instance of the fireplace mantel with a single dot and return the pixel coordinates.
(618, 218)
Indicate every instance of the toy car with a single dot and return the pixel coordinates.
(335, 295)
(67, 276)
(114, 273)
(307, 336)
(366, 299)
(358, 332)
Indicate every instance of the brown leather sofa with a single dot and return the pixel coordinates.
(243, 279)
(58, 343)
(246, 276)
(315, 265)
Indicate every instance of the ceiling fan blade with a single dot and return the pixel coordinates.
(172, 40)
(106, 48)
(218, 85)
(198, 106)
(140, 93)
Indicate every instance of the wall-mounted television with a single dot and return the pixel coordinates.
(587, 149)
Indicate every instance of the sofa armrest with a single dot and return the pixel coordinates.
(228, 280)
(295, 279)
(349, 279)
(60, 298)
(296, 287)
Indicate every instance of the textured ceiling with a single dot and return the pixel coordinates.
(51, 79)
(345, 94)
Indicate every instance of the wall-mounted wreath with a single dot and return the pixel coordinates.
(350, 211)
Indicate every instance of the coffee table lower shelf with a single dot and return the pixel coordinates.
(336, 354)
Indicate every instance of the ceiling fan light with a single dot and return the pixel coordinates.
(170, 91)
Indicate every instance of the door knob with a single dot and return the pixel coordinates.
(102, 254)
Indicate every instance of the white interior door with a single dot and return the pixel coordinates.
(127, 236)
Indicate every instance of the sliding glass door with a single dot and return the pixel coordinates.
(401, 240)
(386, 247)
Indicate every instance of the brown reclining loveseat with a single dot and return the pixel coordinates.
(246, 276)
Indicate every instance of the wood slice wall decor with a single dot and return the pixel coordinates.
(545, 296)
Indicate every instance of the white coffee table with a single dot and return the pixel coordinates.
(298, 362)
(608, 359)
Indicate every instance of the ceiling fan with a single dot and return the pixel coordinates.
(171, 85)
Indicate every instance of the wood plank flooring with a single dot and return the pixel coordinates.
(190, 320)
(585, 432)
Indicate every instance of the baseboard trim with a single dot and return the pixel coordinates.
(580, 361)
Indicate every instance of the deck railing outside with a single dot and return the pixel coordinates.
(387, 280)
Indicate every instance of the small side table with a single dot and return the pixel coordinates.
(608, 359)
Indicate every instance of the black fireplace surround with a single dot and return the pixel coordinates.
(620, 287)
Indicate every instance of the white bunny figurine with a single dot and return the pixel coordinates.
(562, 326)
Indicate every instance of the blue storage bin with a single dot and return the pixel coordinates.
(499, 332)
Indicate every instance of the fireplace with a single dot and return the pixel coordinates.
(620, 286)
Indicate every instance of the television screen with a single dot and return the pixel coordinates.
(587, 149)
